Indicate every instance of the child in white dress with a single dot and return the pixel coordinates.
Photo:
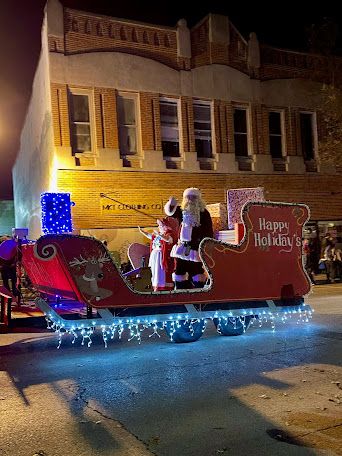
(160, 262)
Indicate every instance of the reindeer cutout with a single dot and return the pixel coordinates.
(88, 281)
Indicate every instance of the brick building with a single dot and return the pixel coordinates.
(123, 114)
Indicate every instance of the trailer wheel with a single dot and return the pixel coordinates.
(184, 331)
(232, 326)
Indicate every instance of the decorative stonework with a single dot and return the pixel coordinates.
(55, 44)
(281, 63)
(86, 33)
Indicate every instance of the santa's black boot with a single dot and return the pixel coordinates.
(182, 285)
(198, 284)
(199, 280)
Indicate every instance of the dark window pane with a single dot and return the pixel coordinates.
(79, 108)
(240, 120)
(203, 148)
(202, 113)
(82, 129)
(274, 123)
(203, 134)
(202, 126)
(170, 148)
(81, 139)
(127, 126)
(307, 136)
(126, 111)
(169, 134)
(128, 140)
(241, 148)
(276, 146)
(81, 143)
(168, 113)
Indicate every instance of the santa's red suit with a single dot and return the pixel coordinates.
(188, 265)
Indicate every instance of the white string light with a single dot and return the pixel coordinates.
(135, 327)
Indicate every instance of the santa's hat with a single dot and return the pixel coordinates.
(192, 191)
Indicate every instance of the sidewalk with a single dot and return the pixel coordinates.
(321, 279)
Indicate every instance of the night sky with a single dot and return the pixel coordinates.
(276, 23)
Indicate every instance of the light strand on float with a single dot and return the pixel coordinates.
(155, 328)
(135, 327)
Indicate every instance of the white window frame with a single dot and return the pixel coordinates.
(314, 132)
(210, 104)
(176, 101)
(248, 128)
(282, 131)
(89, 94)
(135, 98)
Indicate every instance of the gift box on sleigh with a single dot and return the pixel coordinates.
(227, 222)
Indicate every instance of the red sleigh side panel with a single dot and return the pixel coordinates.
(268, 262)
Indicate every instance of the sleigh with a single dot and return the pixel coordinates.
(260, 278)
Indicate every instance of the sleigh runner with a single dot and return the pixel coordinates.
(260, 278)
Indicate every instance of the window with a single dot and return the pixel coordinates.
(169, 128)
(126, 106)
(80, 123)
(240, 132)
(202, 123)
(307, 135)
(275, 134)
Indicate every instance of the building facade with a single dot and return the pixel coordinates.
(6, 217)
(124, 114)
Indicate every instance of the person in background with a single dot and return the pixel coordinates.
(160, 262)
(337, 259)
(8, 269)
(308, 259)
(328, 257)
(196, 224)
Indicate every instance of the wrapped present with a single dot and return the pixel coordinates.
(219, 216)
(237, 197)
(226, 236)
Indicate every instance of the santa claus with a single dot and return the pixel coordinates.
(195, 225)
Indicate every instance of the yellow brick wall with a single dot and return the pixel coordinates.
(323, 194)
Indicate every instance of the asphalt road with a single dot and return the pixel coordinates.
(263, 393)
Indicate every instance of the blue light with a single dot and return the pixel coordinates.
(56, 213)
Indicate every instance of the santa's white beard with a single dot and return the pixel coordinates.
(191, 213)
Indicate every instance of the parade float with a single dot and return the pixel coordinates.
(259, 278)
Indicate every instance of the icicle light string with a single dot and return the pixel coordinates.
(174, 323)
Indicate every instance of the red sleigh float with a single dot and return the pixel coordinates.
(261, 277)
